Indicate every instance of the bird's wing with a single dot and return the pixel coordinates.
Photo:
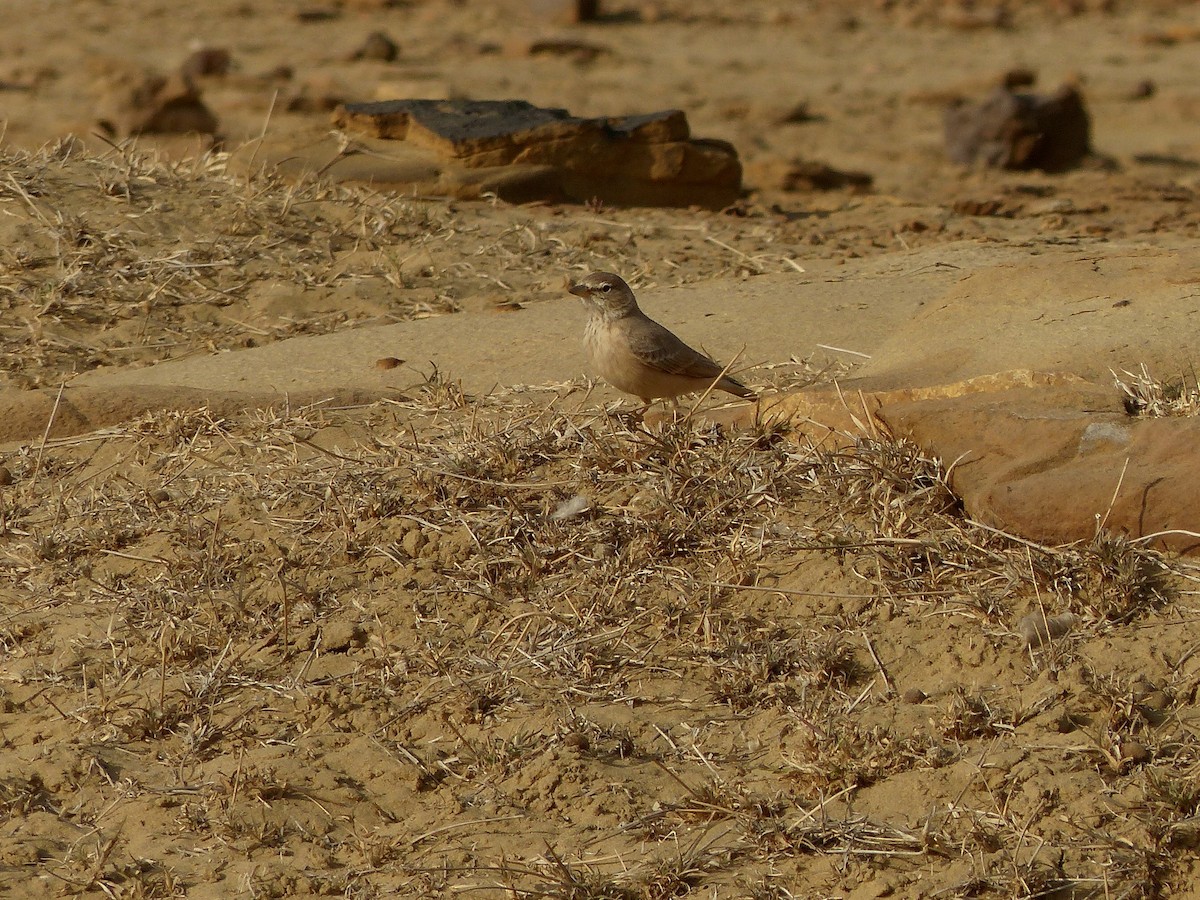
(660, 349)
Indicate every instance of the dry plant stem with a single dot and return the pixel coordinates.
(37, 465)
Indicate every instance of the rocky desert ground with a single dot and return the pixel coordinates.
(328, 571)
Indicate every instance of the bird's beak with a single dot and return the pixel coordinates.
(578, 290)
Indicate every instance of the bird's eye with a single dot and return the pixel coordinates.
(606, 288)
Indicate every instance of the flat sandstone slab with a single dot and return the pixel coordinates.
(996, 363)
(644, 160)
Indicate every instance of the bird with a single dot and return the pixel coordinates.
(637, 355)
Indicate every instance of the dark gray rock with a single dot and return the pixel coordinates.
(1008, 130)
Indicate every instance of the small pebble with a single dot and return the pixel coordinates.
(388, 362)
(207, 62)
(6, 477)
(378, 45)
(1133, 752)
(914, 695)
(1156, 701)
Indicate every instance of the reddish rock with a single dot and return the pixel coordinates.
(1056, 463)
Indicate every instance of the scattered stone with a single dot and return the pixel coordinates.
(1007, 130)
(1038, 630)
(1019, 77)
(207, 62)
(26, 76)
(310, 14)
(281, 72)
(6, 477)
(992, 207)
(566, 12)
(388, 362)
(914, 696)
(579, 51)
(796, 114)
(317, 95)
(806, 175)
(645, 160)
(1135, 753)
(1154, 701)
(577, 741)
(969, 17)
(1178, 34)
(146, 103)
(378, 45)
(1143, 90)
(159, 497)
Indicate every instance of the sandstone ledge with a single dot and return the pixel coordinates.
(645, 160)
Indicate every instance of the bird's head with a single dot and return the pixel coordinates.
(606, 294)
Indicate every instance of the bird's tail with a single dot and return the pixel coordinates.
(735, 387)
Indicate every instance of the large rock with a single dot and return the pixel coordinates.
(645, 160)
(1058, 463)
(1047, 457)
(1009, 130)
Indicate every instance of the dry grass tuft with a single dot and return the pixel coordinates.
(1149, 397)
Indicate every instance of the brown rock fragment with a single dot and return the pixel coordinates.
(579, 51)
(1135, 753)
(645, 160)
(145, 103)
(377, 45)
(970, 17)
(1007, 130)
(321, 94)
(566, 12)
(991, 207)
(806, 175)
(207, 62)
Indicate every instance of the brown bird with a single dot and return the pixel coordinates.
(635, 354)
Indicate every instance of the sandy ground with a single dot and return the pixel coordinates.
(280, 621)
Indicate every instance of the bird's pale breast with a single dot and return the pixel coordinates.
(608, 351)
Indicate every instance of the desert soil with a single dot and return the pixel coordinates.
(479, 632)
